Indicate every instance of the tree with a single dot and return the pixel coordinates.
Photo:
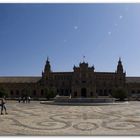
(120, 93)
(50, 93)
(3, 93)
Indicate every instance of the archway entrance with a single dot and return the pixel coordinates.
(83, 92)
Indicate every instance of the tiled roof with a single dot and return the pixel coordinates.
(19, 79)
(132, 79)
(36, 79)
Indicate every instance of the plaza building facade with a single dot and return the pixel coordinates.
(82, 82)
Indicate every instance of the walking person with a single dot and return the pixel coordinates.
(3, 106)
(26, 99)
(23, 99)
(29, 99)
(19, 99)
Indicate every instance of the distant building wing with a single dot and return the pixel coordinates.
(19, 79)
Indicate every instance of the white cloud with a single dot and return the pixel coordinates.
(121, 17)
(75, 27)
(109, 33)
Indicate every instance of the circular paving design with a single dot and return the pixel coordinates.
(119, 125)
(86, 126)
(53, 125)
(39, 119)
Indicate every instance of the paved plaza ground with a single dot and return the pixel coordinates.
(41, 119)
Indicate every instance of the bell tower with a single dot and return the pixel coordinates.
(120, 67)
(47, 68)
(120, 75)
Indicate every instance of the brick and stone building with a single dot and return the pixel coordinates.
(83, 81)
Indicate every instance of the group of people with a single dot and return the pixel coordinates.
(24, 99)
(3, 105)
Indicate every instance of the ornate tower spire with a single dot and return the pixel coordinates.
(47, 66)
(47, 59)
(119, 66)
(84, 58)
(93, 67)
(119, 59)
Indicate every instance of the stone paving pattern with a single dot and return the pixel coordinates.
(55, 120)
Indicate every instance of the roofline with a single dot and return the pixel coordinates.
(20, 76)
(62, 72)
(132, 77)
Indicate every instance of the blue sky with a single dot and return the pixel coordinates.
(65, 32)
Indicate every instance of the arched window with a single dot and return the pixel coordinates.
(96, 91)
(34, 92)
(105, 92)
(75, 94)
(110, 91)
(12, 92)
(100, 92)
(17, 92)
(61, 92)
(42, 92)
(66, 92)
(91, 93)
(133, 91)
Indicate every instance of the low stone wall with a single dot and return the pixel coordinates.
(84, 100)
